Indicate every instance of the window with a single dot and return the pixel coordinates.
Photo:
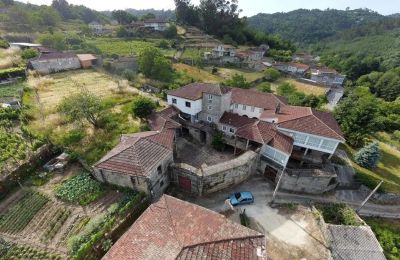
(231, 130)
(210, 97)
(209, 107)
(161, 184)
(252, 109)
(174, 101)
(159, 169)
(236, 105)
(209, 101)
(209, 119)
(244, 107)
(187, 104)
(313, 141)
(224, 128)
(300, 138)
(328, 145)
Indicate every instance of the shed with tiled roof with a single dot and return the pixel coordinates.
(176, 229)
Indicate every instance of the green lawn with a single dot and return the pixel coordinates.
(388, 169)
(192, 53)
(250, 76)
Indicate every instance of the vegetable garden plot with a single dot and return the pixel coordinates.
(17, 217)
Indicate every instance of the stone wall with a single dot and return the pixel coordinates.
(55, 65)
(216, 177)
(308, 182)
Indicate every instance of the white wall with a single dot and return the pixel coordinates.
(248, 111)
(194, 109)
(314, 142)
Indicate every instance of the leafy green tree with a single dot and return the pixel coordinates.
(154, 65)
(48, 16)
(142, 107)
(29, 54)
(368, 156)
(272, 74)
(63, 8)
(238, 81)
(171, 32)
(218, 141)
(356, 115)
(163, 44)
(122, 32)
(82, 106)
(265, 87)
(56, 41)
(123, 17)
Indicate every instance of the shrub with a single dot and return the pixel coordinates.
(264, 87)
(142, 107)
(238, 81)
(3, 44)
(272, 74)
(218, 141)
(163, 44)
(368, 156)
(339, 214)
(29, 54)
(80, 189)
(129, 74)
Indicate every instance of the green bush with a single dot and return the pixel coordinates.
(264, 87)
(80, 189)
(238, 81)
(72, 137)
(29, 54)
(218, 141)
(3, 44)
(339, 214)
(142, 106)
(368, 156)
(272, 74)
(388, 236)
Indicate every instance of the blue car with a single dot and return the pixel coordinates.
(241, 198)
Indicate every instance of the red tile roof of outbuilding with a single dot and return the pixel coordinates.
(176, 229)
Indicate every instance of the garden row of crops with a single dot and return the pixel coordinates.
(11, 90)
(119, 46)
(55, 224)
(12, 251)
(81, 189)
(18, 216)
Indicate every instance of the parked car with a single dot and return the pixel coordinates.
(241, 198)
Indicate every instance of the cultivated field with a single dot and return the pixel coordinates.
(307, 88)
(250, 76)
(11, 90)
(40, 224)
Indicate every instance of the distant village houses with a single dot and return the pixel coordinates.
(96, 27)
(326, 76)
(150, 24)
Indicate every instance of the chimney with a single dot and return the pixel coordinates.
(278, 108)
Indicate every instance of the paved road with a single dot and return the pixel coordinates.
(262, 190)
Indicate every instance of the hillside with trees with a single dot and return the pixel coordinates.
(310, 26)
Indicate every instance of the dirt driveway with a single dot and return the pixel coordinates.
(292, 231)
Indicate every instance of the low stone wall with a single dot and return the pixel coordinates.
(381, 198)
(214, 178)
(308, 182)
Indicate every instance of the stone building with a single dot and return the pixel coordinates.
(140, 161)
(176, 229)
(54, 62)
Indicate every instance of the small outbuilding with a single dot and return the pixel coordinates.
(54, 62)
(87, 60)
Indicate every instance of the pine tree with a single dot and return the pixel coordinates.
(368, 156)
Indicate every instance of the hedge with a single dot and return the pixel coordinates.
(12, 73)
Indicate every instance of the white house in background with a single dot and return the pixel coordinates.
(96, 27)
(156, 24)
(224, 50)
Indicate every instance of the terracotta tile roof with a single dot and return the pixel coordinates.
(235, 120)
(163, 119)
(138, 154)
(299, 65)
(267, 133)
(256, 99)
(194, 91)
(309, 120)
(84, 57)
(175, 229)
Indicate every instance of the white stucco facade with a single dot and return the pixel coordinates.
(182, 104)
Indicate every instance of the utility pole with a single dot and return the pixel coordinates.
(277, 186)
(369, 196)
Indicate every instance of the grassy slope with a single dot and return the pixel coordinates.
(197, 73)
(388, 168)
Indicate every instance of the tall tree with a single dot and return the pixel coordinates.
(123, 17)
(63, 8)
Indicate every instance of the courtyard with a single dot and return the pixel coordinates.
(196, 154)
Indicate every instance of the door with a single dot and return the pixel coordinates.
(270, 173)
(203, 136)
(185, 183)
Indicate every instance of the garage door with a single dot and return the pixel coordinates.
(185, 183)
